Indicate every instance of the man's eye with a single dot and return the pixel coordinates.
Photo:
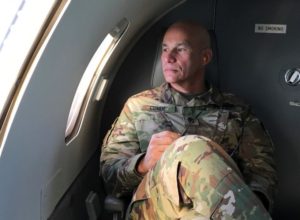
(181, 49)
(164, 49)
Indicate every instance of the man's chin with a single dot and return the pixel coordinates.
(170, 78)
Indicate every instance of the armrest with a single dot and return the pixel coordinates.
(116, 206)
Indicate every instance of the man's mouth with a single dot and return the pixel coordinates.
(170, 70)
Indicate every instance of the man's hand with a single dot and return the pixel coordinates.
(159, 142)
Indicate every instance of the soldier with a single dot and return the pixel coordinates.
(185, 149)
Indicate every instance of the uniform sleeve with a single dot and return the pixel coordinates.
(256, 160)
(120, 154)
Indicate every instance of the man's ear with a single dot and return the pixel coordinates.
(207, 55)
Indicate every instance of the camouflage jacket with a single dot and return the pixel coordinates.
(219, 116)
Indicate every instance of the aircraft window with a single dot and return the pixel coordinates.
(21, 24)
(89, 80)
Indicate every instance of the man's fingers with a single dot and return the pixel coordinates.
(167, 136)
(162, 147)
(158, 144)
(163, 140)
(168, 133)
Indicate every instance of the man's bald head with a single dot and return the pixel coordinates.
(185, 53)
(197, 30)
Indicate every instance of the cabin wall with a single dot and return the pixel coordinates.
(253, 65)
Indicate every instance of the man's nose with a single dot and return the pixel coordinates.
(169, 56)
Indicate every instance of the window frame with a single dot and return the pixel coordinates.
(93, 79)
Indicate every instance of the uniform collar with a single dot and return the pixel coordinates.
(171, 96)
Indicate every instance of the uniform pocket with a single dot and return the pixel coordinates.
(149, 124)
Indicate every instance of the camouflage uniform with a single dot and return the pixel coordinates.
(195, 179)
(218, 116)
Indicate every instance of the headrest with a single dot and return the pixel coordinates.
(157, 73)
(211, 75)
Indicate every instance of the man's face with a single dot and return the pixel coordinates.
(181, 57)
